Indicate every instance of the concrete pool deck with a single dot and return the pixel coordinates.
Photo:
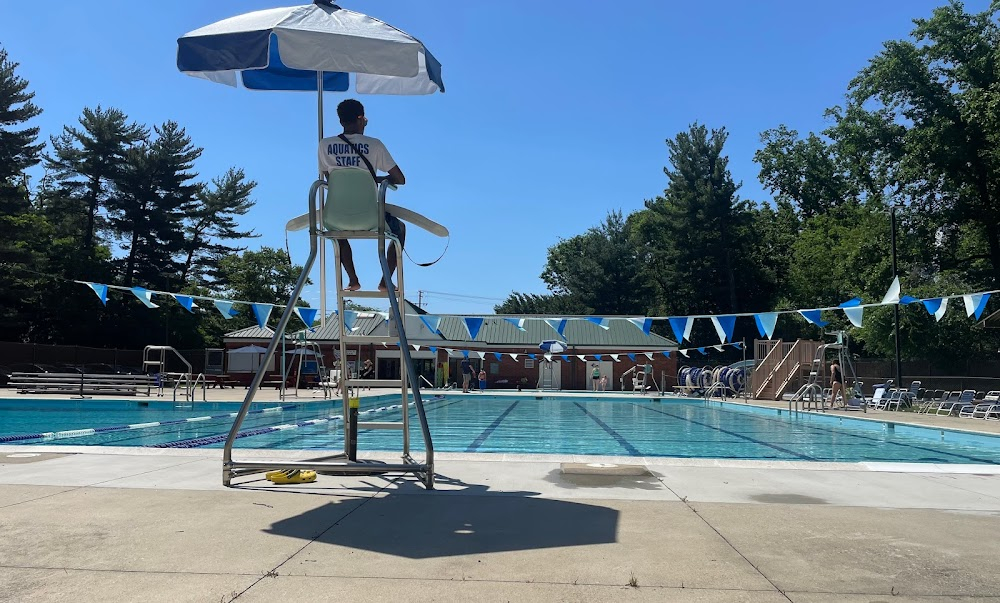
(126, 524)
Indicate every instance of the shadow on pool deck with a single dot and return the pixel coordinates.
(439, 525)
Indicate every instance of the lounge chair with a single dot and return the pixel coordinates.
(909, 397)
(879, 397)
(989, 403)
(956, 404)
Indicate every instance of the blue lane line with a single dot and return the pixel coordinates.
(489, 430)
(632, 450)
(843, 431)
(732, 433)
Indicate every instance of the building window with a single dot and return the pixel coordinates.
(529, 363)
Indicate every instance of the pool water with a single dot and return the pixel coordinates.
(627, 426)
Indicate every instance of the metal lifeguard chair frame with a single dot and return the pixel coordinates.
(346, 462)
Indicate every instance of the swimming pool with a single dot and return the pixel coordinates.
(626, 426)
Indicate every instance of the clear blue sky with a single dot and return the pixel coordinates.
(555, 113)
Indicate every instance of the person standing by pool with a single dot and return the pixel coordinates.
(595, 376)
(482, 379)
(466, 375)
(352, 149)
(837, 385)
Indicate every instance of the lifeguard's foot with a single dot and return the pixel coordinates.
(382, 287)
(353, 287)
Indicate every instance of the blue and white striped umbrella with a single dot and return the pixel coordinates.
(553, 346)
(291, 48)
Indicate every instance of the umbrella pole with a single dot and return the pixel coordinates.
(322, 202)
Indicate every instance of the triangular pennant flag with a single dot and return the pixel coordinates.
(465, 353)
(601, 322)
(482, 355)
(614, 357)
(976, 303)
(498, 356)
(892, 295)
(648, 355)
(517, 322)
(936, 307)
(513, 356)
(908, 299)
(557, 324)
(565, 357)
(681, 327)
(548, 357)
(350, 317)
(631, 356)
(718, 347)
(683, 353)
(582, 357)
(146, 297)
(598, 356)
(186, 301)
(306, 315)
(416, 348)
(432, 322)
(101, 291)
(813, 316)
(643, 324)
(666, 353)
(765, 323)
(724, 326)
(432, 348)
(472, 325)
(225, 308)
(532, 356)
(702, 350)
(851, 303)
(261, 312)
(738, 345)
(449, 351)
(854, 315)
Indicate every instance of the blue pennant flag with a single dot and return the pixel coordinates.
(908, 299)
(187, 302)
(765, 323)
(702, 350)
(643, 324)
(601, 322)
(557, 324)
(432, 322)
(932, 305)
(432, 348)
(306, 315)
(517, 322)
(631, 356)
(598, 356)
(681, 327)
(146, 297)
(666, 353)
(724, 326)
(101, 291)
(532, 356)
(472, 325)
(225, 308)
(565, 357)
(979, 302)
(851, 303)
(465, 353)
(813, 316)
(498, 355)
(738, 345)
(261, 312)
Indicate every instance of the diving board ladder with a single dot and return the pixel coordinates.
(347, 463)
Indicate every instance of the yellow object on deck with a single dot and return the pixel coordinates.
(291, 476)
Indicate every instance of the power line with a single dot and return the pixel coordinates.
(459, 296)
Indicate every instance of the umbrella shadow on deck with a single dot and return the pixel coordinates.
(468, 520)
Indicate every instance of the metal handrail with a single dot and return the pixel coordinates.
(194, 387)
(717, 386)
(185, 377)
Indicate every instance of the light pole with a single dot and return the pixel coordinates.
(895, 308)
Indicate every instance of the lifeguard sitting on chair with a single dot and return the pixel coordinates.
(352, 149)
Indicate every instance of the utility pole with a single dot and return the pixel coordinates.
(895, 309)
(420, 299)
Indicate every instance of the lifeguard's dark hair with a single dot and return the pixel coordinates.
(349, 110)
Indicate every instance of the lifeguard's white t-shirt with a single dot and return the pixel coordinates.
(335, 154)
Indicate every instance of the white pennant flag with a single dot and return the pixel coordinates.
(648, 355)
(855, 315)
(513, 356)
(614, 357)
(939, 314)
(548, 357)
(683, 353)
(416, 348)
(892, 295)
(582, 357)
(718, 348)
(482, 355)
